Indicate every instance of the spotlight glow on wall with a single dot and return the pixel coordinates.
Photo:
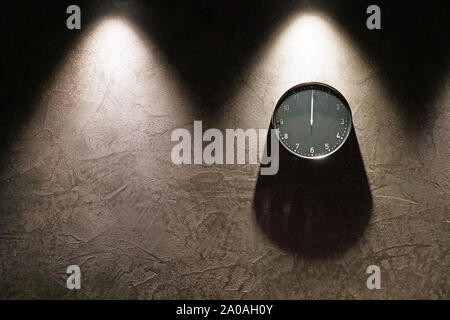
(310, 47)
(111, 93)
(307, 47)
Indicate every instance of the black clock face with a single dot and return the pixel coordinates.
(312, 120)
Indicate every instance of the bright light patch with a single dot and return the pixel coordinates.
(311, 48)
(114, 50)
(111, 93)
(308, 47)
(115, 43)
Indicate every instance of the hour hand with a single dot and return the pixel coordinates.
(312, 108)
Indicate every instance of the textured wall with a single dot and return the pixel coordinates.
(86, 176)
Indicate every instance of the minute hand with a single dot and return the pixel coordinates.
(312, 108)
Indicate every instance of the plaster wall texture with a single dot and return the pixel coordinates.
(88, 179)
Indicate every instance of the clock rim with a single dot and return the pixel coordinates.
(319, 84)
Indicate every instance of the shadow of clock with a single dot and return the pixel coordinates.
(315, 208)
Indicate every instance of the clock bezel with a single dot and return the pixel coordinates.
(322, 85)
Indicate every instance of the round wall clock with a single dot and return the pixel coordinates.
(313, 120)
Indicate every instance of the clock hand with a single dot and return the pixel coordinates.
(312, 108)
